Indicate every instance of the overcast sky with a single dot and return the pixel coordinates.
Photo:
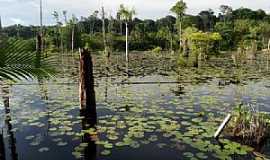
(27, 11)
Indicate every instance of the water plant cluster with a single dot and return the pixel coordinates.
(250, 125)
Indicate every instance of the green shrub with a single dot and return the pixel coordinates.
(182, 61)
(157, 50)
(248, 125)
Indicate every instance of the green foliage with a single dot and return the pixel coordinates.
(19, 61)
(249, 124)
(181, 61)
(125, 13)
(234, 26)
(157, 50)
(179, 8)
(227, 33)
(204, 37)
(93, 42)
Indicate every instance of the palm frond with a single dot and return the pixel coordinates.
(19, 60)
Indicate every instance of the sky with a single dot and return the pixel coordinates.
(26, 12)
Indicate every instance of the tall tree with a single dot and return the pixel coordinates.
(59, 28)
(126, 15)
(208, 19)
(226, 12)
(73, 22)
(104, 31)
(179, 10)
(41, 24)
(93, 18)
(65, 16)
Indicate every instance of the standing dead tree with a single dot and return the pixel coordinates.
(87, 92)
(106, 50)
(88, 102)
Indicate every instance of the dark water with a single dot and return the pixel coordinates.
(155, 120)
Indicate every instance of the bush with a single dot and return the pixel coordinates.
(94, 42)
(157, 50)
(182, 61)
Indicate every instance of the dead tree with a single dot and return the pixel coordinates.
(87, 92)
(106, 51)
(88, 102)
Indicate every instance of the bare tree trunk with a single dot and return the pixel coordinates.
(88, 103)
(87, 92)
(180, 33)
(121, 28)
(72, 39)
(268, 52)
(104, 33)
(171, 42)
(126, 42)
(61, 41)
(41, 25)
(268, 61)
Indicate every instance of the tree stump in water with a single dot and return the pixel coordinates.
(2, 147)
(87, 92)
(88, 102)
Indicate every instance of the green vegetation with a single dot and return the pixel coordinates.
(242, 27)
(170, 97)
(126, 15)
(19, 60)
(249, 125)
(179, 10)
(199, 45)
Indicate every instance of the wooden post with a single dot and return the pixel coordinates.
(268, 52)
(87, 92)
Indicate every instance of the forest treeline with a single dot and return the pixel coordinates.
(242, 27)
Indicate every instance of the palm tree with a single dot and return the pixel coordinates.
(41, 24)
(226, 12)
(179, 10)
(73, 22)
(92, 19)
(126, 15)
(59, 24)
(106, 51)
